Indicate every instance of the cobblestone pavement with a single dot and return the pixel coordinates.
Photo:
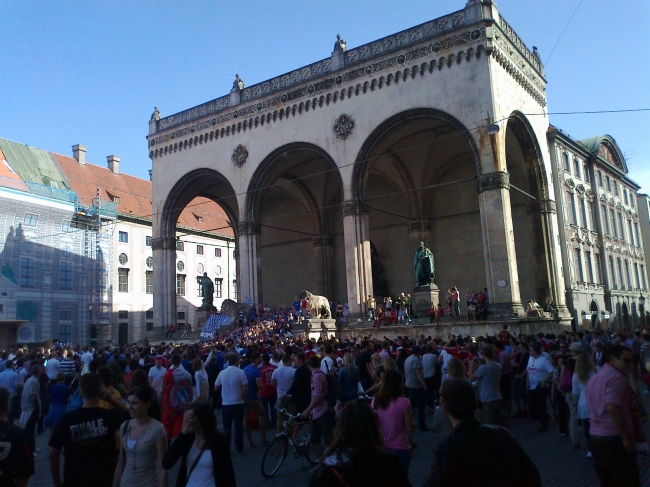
(559, 464)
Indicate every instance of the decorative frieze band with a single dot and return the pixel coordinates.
(163, 243)
(325, 241)
(249, 228)
(493, 180)
(543, 206)
(420, 226)
(354, 207)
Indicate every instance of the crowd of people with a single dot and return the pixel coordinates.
(124, 416)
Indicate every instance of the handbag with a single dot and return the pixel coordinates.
(566, 384)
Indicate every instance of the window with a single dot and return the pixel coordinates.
(122, 315)
(590, 272)
(123, 259)
(217, 270)
(66, 251)
(583, 212)
(600, 178)
(636, 275)
(567, 164)
(605, 220)
(180, 315)
(103, 312)
(180, 246)
(67, 226)
(619, 266)
(621, 226)
(612, 222)
(180, 266)
(234, 290)
(609, 183)
(638, 236)
(200, 268)
(629, 229)
(632, 197)
(147, 241)
(65, 275)
(576, 168)
(199, 249)
(124, 237)
(217, 252)
(28, 247)
(180, 284)
(627, 274)
(572, 209)
(148, 326)
(590, 215)
(150, 262)
(148, 279)
(577, 262)
(30, 220)
(615, 188)
(116, 200)
(585, 171)
(65, 315)
(612, 271)
(123, 280)
(149, 315)
(65, 333)
(26, 272)
(599, 275)
(218, 288)
(627, 202)
(645, 284)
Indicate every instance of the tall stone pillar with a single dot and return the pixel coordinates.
(249, 266)
(499, 245)
(545, 246)
(323, 257)
(358, 265)
(420, 231)
(164, 278)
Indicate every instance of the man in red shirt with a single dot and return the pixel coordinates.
(269, 394)
(504, 335)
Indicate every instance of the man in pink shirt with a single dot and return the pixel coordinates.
(611, 401)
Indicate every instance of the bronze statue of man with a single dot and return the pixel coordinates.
(207, 290)
(423, 268)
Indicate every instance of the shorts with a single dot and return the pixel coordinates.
(322, 426)
(286, 403)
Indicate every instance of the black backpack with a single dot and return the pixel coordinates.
(333, 387)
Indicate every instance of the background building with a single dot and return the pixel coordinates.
(603, 257)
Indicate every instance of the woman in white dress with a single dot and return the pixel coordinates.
(585, 369)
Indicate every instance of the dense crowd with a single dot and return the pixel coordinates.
(124, 416)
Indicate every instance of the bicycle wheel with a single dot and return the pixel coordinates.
(274, 456)
(310, 454)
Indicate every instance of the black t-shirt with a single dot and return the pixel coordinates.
(16, 460)
(363, 359)
(88, 439)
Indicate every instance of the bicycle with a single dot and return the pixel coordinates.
(278, 449)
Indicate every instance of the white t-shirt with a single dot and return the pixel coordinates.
(429, 361)
(232, 381)
(156, 374)
(203, 473)
(284, 377)
(446, 357)
(86, 357)
(538, 369)
(330, 365)
(52, 368)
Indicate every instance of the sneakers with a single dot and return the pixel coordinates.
(589, 454)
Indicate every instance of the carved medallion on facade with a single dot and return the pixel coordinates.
(343, 126)
(239, 155)
(354, 207)
(580, 189)
(249, 228)
(570, 184)
(494, 180)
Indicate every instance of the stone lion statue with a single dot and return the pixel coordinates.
(318, 305)
(231, 308)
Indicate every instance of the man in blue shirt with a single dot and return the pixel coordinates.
(296, 306)
(253, 402)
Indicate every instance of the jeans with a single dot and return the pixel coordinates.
(30, 430)
(614, 465)
(45, 408)
(430, 395)
(418, 401)
(14, 413)
(573, 420)
(269, 407)
(230, 413)
(456, 308)
(404, 457)
(537, 404)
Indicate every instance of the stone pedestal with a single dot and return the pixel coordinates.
(423, 297)
(202, 315)
(320, 328)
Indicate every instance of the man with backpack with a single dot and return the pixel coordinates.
(320, 411)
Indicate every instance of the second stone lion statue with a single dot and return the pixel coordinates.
(231, 308)
(318, 305)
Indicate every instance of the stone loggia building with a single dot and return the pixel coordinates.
(332, 174)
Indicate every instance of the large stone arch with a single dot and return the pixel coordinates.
(389, 125)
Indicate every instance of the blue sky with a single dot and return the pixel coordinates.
(91, 72)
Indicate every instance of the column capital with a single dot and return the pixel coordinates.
(354, 207)
(543, 206)
(493, 180)
(249, 228)
(164, 243)
(324, 241)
